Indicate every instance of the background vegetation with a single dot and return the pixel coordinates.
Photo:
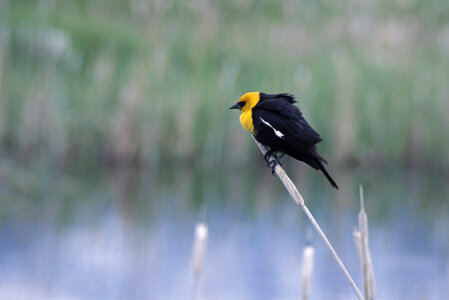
(90, 83)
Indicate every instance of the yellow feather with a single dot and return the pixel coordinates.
(246, 118)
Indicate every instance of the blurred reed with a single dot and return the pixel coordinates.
(198, 256)
(447, 274)
(308, 259)
(361, 241)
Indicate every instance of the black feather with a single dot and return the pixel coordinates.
(284, 96)
(280, 125)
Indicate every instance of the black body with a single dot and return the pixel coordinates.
(298, 137)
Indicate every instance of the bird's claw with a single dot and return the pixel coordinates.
(267, 155)
(273, 163)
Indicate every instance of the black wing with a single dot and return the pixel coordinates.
(281, 97)
(281, 126)
(288, 120)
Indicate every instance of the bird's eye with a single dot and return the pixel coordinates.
(241, 104)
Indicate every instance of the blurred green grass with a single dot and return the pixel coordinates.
(86, 84)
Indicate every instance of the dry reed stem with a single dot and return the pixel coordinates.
(447, 274)
(199, 252)
(308, 259)
(294, 193)
(361, 241)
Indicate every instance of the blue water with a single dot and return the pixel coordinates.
(119, 241)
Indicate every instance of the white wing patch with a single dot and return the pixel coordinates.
(277, 132)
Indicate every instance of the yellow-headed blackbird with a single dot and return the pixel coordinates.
(278, 124)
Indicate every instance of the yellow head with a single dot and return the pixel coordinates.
(247, 102)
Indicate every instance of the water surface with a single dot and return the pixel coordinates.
(129, 235)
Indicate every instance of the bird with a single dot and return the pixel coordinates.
(278, 124)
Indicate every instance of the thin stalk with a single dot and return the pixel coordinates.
(361, 240)
(199, 252)
(308, 258)
(294, 193)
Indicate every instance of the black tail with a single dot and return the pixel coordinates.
(323, 169)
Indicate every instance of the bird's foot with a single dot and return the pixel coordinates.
(273, 163)
(267, 155)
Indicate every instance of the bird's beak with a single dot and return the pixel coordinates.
(235, 106)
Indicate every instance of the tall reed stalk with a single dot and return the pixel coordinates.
(447, 274)
(308, 260)
(198, 255)
(294, 193)
(361, 241)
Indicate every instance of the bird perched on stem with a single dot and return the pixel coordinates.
(278, 124)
